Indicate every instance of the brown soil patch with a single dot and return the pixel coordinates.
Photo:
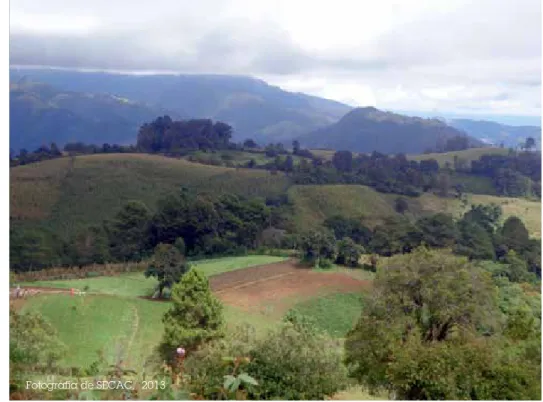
(245, 275)
(279, 286)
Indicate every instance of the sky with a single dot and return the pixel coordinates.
(479, 57)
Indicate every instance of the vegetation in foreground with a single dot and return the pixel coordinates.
(472, 319)
(433, 330)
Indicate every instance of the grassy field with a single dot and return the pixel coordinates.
(117, 322)
(239, 157)
(528, 211)
(313, 204)
(468, 155)
(65, 194)
(335, 313)
(112, 318)
(117, 326)
(442, 158)
(135, 284)
(111, 324)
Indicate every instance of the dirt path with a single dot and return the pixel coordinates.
(135, 328)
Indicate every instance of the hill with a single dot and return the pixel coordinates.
(467, 155)
(41, 114)
(252, 107)
(495, 133)
(313, 204)
(369, 129)
(67, 193)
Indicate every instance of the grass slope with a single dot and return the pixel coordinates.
(313, 204)
(65, 194)
(468, 155)
(125, 327)
(128, 327)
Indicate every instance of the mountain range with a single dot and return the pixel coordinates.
(41, 114)
(252, 107)
(48, 105)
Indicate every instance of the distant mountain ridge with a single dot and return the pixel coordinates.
(495, 133)
(252, 107)
(41, 114)
(369, 129)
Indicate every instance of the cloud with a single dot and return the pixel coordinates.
(391, 54)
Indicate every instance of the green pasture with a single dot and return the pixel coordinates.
(136, 284)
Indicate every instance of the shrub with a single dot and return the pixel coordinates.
(349, 252)
(297, 362)
(294, 361)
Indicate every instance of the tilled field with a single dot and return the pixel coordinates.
(248, 275)
(280, 285)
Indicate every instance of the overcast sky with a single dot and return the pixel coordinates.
(473, 56)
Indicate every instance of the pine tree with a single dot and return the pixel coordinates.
(195, 316)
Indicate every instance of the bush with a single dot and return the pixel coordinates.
(292, 362)
(297, 362)
(324, 263)
(349, 252)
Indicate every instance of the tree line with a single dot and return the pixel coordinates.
(207, 225)
(478, 235)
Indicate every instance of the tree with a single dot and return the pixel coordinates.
(295, 147)
(185, 215)
(417, 335)
(167, 266)
(457, 143)
(342, 161)
(443, 184)
(32, 342)
(55, 152)
(517, 269)
(317, 245)
(249, 143)
(179, 244)
(486, 216)
(349, 227)
(512, 183)
(532, 255)
(395, 236)
(438, 230)
(128, 231)
(401, 205)
(474, 241)
(348, 252)
(90, 245)
(529, 144)
(513, 235)
(289, 164)
(195, 317)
